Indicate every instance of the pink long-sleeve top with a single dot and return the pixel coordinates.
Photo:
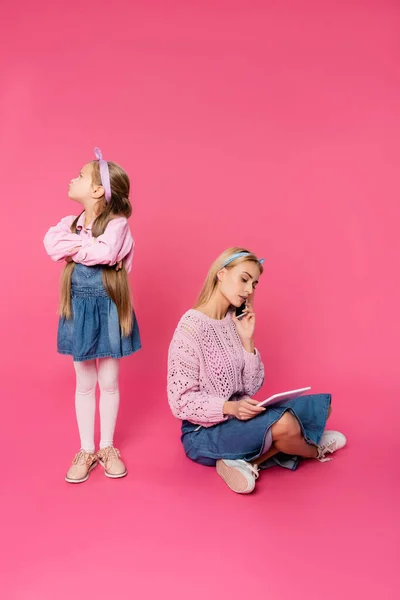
(207, 365)
(114, 245)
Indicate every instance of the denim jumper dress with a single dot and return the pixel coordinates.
(94, 330)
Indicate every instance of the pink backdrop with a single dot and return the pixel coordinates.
(264, 124)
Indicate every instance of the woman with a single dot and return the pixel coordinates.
(213, 372)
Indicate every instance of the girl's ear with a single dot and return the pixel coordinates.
(98, 191)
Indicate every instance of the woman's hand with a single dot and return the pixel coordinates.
(243, 409)
(245, 327)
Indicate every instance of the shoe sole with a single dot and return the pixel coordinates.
(119, 476)
(233, 478)
(94, 465)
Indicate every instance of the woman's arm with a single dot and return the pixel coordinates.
(253, 370)
(185, 398)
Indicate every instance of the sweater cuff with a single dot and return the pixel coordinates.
(252, 360)
(215, 412)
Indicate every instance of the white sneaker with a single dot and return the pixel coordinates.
(330, 442)
(239, 475)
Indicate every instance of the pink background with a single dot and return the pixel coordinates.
(264, 124)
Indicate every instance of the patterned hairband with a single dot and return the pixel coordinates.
(239, 255)
(104, 174)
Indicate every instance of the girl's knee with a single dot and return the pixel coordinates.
(108, 375)
(86, 378)
(108, 384)
(85, 389)
(86, 385)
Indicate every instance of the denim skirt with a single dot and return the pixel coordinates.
(94, 330)
(234, 439)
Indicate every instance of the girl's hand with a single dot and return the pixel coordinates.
(245, 326)
(69, 257)
(244, 409)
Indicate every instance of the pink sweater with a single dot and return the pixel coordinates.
(208, 365)
(115, 244)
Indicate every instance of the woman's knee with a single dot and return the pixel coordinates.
(287, 426)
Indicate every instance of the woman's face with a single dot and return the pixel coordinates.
(238, 284)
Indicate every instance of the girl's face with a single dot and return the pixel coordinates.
(81, 188)
(238, 284)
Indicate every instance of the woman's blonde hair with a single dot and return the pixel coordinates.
(211, 281)
(115, 282)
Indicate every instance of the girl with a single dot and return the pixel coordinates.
(97, 322)
(213, 372)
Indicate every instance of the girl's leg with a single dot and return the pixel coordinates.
(109, 456)
(109, 399)
(85, 402)
(85, 405)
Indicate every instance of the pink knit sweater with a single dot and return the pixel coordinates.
(208, 365)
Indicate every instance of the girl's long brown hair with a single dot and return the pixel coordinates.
(115, 282)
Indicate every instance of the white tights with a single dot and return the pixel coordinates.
(87, 375)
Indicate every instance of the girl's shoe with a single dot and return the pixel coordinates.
(81, 466)
(110, 459)
(239, 475)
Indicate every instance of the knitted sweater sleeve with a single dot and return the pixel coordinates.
(253, 372)
(186, 398)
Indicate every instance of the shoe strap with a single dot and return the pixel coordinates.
(321, 454)
(108, 454)
(84, 458)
